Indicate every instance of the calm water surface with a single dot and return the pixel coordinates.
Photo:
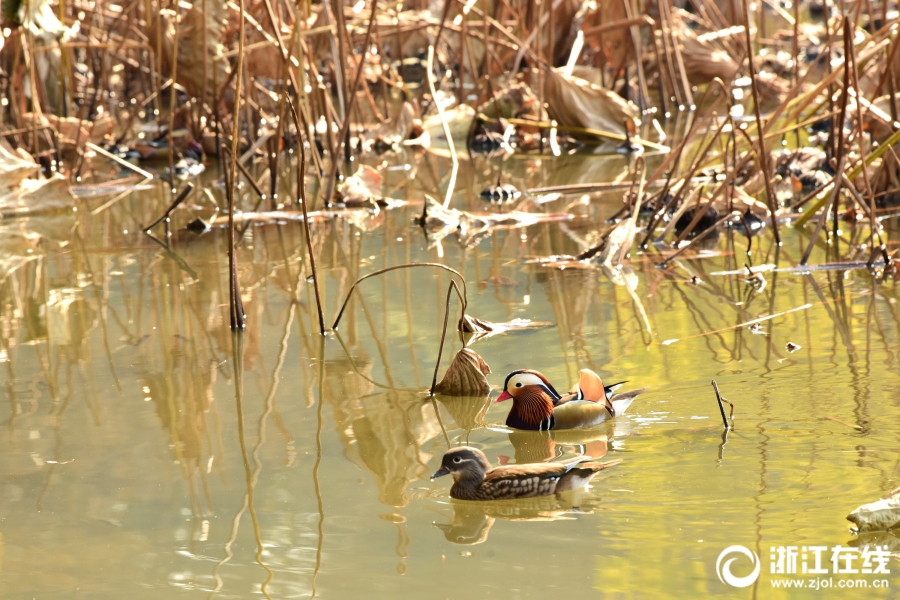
(143, 457)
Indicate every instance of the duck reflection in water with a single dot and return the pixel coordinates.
(541, 446)
(472, 521)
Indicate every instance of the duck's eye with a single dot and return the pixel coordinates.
(519, 384)
(457, 459)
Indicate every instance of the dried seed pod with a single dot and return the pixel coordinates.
(466, 376)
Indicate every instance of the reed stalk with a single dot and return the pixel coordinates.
(235, 303)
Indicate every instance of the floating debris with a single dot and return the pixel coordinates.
(755, 280)
(500, 194)
(440, 222)
(479, 329)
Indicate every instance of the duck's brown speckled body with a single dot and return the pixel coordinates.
(475, 479)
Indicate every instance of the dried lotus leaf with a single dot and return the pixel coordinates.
(470, 324)
(703, 61)
(622, 235)
(199, 54)
(466, 376)
(514, 101)
(880, 515)
(397, 129)
(575, 102)
(362, 188)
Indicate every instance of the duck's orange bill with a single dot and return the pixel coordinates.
(504, 396)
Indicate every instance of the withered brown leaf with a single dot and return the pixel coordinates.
(466, 376)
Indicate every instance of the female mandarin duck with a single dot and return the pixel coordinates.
(475, 479)
(538, 406)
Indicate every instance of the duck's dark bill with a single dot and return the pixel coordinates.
(440, 473)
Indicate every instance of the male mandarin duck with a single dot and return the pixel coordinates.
(475, 479)
(538, 406)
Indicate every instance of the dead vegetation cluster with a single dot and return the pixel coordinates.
(732, 114)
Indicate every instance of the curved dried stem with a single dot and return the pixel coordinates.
(363, 375)
(464, 297)
(437, 365)
(720, 401)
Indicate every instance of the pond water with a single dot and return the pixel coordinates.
(147, 453)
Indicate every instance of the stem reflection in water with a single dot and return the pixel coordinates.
(91, 469)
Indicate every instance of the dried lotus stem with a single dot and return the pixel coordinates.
(437, 365)
(301, 194)
(464, 298)
(720, 400)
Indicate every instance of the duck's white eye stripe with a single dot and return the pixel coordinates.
(523, 379)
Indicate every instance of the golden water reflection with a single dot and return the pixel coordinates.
(472, 521)
(144, 453)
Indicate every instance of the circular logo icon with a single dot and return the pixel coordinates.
(723, 566)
